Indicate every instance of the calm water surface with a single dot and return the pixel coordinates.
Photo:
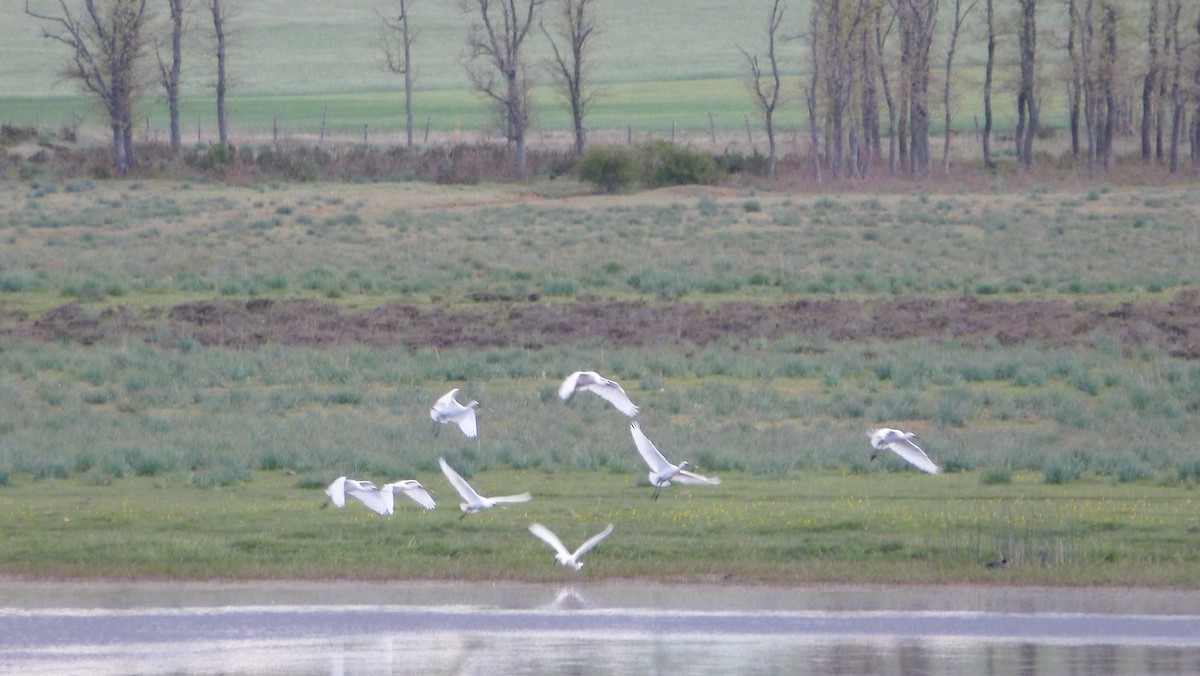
(603, 628)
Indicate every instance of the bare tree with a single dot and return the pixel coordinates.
(220, 46)
(1075, 84)
(1178, 91)
(810, 95)
(494, 47)
(572, 62)
(108, 42)
(960, 15)
(917, 21)
(987, 85)
(169, 72)
(1150, 82)
(882, 32)
(1027, 108)
(766, 94)
(1107, 72)
(398, 38)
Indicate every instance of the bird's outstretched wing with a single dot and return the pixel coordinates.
(374, 499)
(413, 490)
(609, 390)
(546, 535)
(913, 453)
(337, 492)
(520, 497)
(460, 484)
(650, 454)
(686, 477)
(592, 541)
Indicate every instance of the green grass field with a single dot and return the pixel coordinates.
(168, 458)
(301, 62)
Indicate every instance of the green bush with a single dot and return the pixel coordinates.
(671, 164)
(611, 169)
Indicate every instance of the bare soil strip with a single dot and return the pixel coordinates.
(1172, 325)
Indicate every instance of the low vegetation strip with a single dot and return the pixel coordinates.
(500, 321)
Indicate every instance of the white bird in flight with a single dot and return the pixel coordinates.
(448, 409)
(564, 557)
(475, 502)
(410, 487)
(590, 381)
(901, 444)
(364, 491)
(662, 473)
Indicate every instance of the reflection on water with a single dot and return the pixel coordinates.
(502, 653)
(593, 629)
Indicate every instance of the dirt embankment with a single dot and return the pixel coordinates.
(1172, 325)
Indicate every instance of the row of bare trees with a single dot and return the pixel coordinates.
(861, 54)
(865, 73)
(108, 40)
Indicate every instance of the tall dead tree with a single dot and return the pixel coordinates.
(220, 46)
(169, 73)
(960, 15)
(1150, 82)
(1179, 94)
(883, 29)
(1027, 108)
(108, 40)
(811, 93)
(766, 94)
(989, 67)
(1107, 72)
(494, 45)
(572, 61)
(918, 19)
(398, 39)
(1075, 82)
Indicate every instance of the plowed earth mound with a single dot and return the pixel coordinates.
(1173, 325)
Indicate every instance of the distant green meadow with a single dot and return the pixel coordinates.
(297, 63)
(168, 458)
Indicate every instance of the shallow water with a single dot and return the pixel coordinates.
(340, 628)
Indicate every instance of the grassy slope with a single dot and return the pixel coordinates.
(131, 459)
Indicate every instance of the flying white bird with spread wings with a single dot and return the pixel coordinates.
(449, 410)
(901, 444)
(474, 502)
(564, 557)
(590, 381)
(662, 473)
(364, 491)
(410, 487)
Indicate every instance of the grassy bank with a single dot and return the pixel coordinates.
(820, 527)
(158, 454)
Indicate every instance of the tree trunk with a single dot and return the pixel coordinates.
(987, 86)
(222, 83)
(1027, 117)
(1150, 83)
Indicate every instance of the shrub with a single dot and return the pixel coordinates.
(611, 169)
(670, 164)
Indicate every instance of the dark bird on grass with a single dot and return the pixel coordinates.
(1002, 562)
(449, 410)
(474, 502)
(901, 444)
(590, 381)
(662, 473)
